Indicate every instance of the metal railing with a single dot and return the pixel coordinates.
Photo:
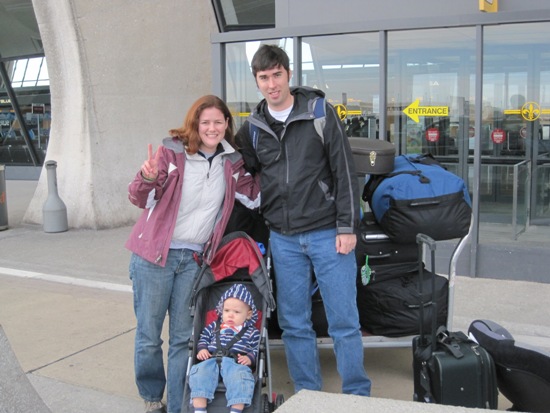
(518, 169)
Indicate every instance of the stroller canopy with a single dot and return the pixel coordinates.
(238, 257)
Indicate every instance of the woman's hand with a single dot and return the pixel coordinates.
(150, 168)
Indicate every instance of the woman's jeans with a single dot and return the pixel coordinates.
(159, 290)
(238, 380)
(294, 257)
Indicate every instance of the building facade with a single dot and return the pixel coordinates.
(466, 81)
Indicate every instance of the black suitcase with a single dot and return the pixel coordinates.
(448, 367)
(381, 250)
(390, 304)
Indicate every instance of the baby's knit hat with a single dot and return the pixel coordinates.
(240, 292)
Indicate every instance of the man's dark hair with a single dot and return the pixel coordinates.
(269, 56)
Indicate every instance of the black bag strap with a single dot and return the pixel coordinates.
(223, 351)
(426, 159)
(422, 239)
(451, 341)
(425, 383)
(371, 185)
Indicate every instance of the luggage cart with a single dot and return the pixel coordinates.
(377, 341)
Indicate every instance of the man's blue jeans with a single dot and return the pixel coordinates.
(238, 380)
(294, 257)
(159, 290)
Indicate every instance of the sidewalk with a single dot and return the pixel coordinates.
(66, 308)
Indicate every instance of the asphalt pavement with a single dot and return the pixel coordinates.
(66, 310)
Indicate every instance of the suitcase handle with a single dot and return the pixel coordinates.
(373, 237)
(379, 256)
(422, 239)
(425, 239)
(424, 203)
(415, 306)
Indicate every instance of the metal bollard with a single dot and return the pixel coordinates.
(54, 211)
(3, 200)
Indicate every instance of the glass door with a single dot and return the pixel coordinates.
(431, 94)
(516, 146)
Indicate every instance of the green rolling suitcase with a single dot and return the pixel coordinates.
(448, 367)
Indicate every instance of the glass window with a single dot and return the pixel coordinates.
(346, 68)
(244, 14)
(30, 83)
(242, 95)
(30, 73)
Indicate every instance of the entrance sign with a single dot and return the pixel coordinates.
(414, 111)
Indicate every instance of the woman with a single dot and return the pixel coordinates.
(187, 189)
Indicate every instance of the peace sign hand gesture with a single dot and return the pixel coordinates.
(150, 168)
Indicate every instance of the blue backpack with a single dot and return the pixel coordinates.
(419, 196)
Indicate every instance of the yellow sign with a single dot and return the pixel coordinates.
(341, 111)
(489, 6)
(414, 110)
(530, 111)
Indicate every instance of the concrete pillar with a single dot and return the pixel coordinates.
(122, 73)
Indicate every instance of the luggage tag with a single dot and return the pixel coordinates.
(366, 272)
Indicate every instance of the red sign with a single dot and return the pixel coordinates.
(498, 135)
(432, 135)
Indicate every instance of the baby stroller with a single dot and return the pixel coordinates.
(237, 260)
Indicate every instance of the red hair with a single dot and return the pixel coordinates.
(189, 132)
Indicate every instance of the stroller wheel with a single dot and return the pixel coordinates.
(280, 399)
(265, 405)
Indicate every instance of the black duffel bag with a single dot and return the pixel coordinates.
(391, 306)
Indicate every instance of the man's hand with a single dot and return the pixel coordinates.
(345, 243)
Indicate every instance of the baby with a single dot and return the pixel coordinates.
(227, 347)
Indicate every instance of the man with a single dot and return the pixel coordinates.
(310, 201)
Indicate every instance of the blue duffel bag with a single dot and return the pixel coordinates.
(419, 196)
